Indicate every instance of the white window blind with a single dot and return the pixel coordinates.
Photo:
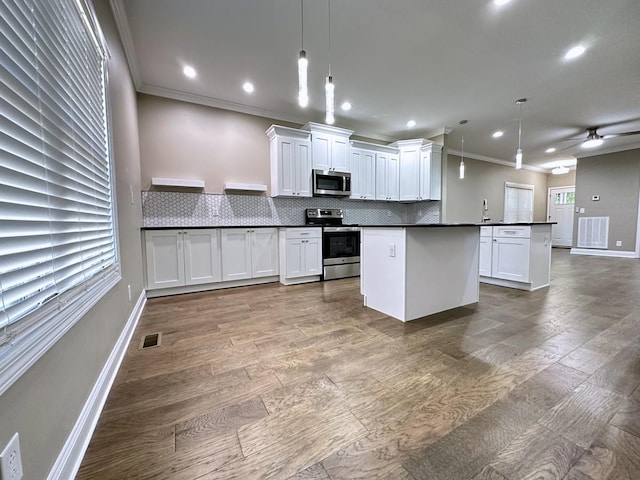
(518, 202)
(56, 206)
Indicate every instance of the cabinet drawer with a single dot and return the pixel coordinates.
(508, 231)
(486, 231)
(304, 232)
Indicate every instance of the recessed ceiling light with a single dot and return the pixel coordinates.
(574, 52)
(501, 2)
(497, 134)
(550, 150)
(411, 123)
(345, 106)
(248, 87)
(189, 71)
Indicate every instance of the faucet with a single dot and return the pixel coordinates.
(485, 211)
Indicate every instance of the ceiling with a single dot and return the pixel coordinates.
(436, 62)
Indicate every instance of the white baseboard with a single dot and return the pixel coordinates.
(603, 253)
(70, 457)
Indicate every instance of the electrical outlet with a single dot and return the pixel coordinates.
(618, 243)
(10, 460)
(392, 249)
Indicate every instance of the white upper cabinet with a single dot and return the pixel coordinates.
(420, 170)
(387, 171)
(330, 147)
(362, 166)
(290, 152)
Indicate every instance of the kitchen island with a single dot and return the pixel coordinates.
(410, 271)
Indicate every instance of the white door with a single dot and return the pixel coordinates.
(560, 208)
(355, 167)
(410, 174)
(393, 177)
(286, 166)
(293, 250)
(485, 256)
(165, 258)
(510, 258)
(425, 176)
(339, 154)
(368, 175)
(235, 246)
(201, 256)
(321, 151)
(264, 252)
(313, 256)
(382, 165)
(302, 158)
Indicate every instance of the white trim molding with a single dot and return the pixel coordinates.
(603, 253)
(122, 24)
(484, 158)
(70, 457)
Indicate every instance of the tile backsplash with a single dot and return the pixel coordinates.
(186, 209)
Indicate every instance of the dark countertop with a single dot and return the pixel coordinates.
(392, 225)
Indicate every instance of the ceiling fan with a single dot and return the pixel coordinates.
(594, 139)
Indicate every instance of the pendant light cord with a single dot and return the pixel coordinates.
(329, 37)
(520, 126)
(302, 21)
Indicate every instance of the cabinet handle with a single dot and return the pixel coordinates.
(495, 239)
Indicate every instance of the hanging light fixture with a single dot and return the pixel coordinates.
(329, 87)
(560, 170)
(461, 167)
(520, 101)
(303, 93)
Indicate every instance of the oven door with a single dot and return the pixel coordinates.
(340, 246)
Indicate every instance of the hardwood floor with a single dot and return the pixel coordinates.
(303, 382)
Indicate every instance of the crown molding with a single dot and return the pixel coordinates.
(122, 24)
(484, 158)
(444, 130)
(606, 151)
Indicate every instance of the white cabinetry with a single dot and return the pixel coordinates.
(177, 258)
(485, 251)
(290, 152)
(420, 170)
(330, 147)
(249, 253)
(300, 255)
(363, 171)
(520, 256)
(387, 171)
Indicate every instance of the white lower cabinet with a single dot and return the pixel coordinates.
(249, 253)
(516, 256)
(300, 255)
(177, 258)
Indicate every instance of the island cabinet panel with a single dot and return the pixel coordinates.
(411, 272)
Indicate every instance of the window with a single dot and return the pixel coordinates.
(58, 253)
(564, 198)
(518, 202)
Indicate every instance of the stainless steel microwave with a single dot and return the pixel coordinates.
(328, 182)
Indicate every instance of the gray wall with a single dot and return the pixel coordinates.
(564, 180)
(45, 402)
(486, 180)
(616, 178)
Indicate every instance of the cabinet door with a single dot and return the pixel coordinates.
(393, 180)
(485, 256)
(339, 153)
(355, 167)
(382, 165)
(165, 258)
(302, 182)
(368, 175)
(295, 257)
(321, 148)
(424, 192)
(313, 256)
(287, 168)
(510, 259)
(410, 174)
(264, 252)
(235, 246)
(201, 256)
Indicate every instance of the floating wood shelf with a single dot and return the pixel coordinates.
(176, 182)
(246, 187)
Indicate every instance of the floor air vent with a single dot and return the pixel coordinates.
(151, 340)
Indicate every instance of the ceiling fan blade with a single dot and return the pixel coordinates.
(623, 134)
(571, 146)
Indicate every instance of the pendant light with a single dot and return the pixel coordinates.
(303, 93)
(461, 167)
(520, 101)
(329, 87)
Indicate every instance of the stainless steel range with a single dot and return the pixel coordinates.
(340, 243)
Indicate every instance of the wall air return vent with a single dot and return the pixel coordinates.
(593, 232)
